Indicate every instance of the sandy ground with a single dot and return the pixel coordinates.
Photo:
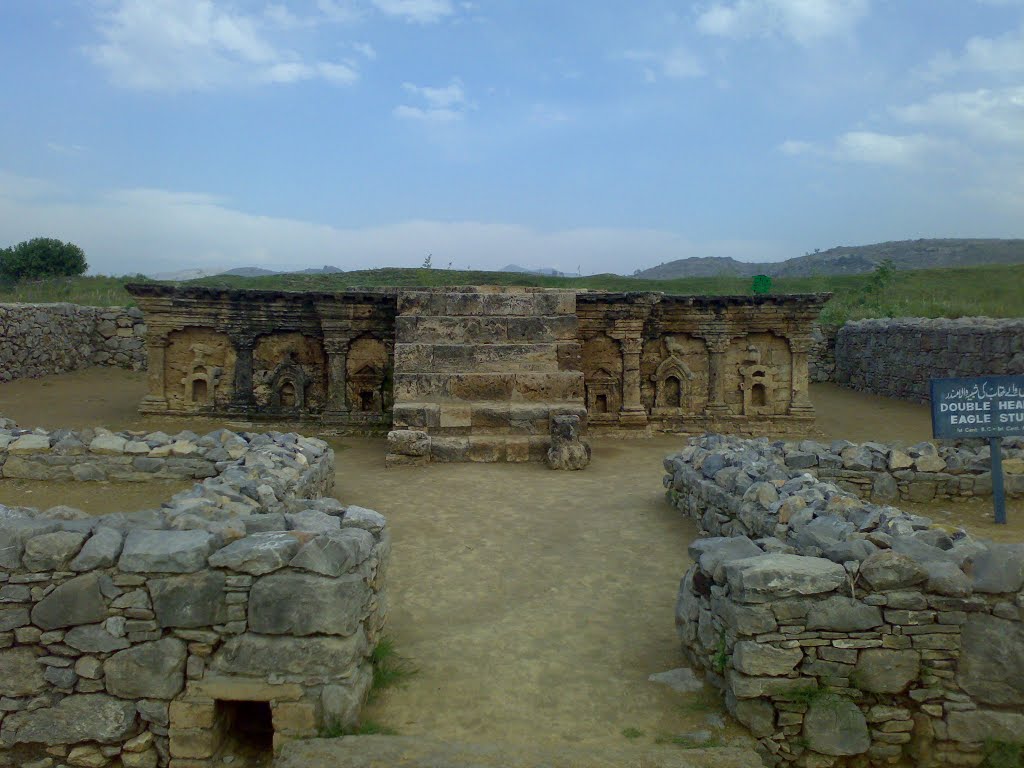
(95, 498)
(534, 604)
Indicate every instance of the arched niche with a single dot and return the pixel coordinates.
(673, 387)
(367, 377)
(289, 384)
(290, 373)
(602, 377)
(198, 365)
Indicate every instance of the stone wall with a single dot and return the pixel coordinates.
(821, 360)
(138, 639)
(927, 471)
(843, 632)
(42, 339)
(897, 357)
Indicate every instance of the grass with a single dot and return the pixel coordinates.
(389, 668)
(365, 728)
(632, 733)
(994, 291)
(687, 742)
(1002, 754)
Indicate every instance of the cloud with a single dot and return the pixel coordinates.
(153, 230)
(872, 148)
(805, 21)
(1002, 56)
(676, 64)
(175, 45)
(444, 104)
(419, 11)
(988, 114)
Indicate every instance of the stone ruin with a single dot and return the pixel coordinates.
(842, 632)
(247, 606)
(479, 373)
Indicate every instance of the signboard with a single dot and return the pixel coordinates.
(987, 406)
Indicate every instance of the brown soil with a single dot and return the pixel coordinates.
(96, 498)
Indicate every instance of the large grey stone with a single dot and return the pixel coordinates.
(258, 553)
(313, 521)
(14, 532)
(154, 670)
(835, 726)
(100, 551)
(360, 517)
(341, 704)
(999, 568)
(165, 551)
(714, 551)
(982, 725)
(947, 579)
(681, 679)
(52, 551)
(76, 601)
(757, 714)
(881, 670)
(334, 553)
(93, 638)
(992, 660)
(843, 614)
(885, 570)
(20, 673)
(190, 600)
(744, 619)
(91, 717)
(823, 532)
(259, 655)
(289, 603)
(752, 658)
(770, 577)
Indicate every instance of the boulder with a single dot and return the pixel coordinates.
(752, 658)
(712, 552)
(567, 450)
(843, 614)
(982, 725)
(881, 670)
(886, 569)
(93, 638)
(258, 553)
(77, 718)
(770, 577)
(341, 704)
(835, 726)
(334, 553)
(20, 672)
(154, 670)
(52, 551)
(310, 657)
(289, 603)
(100, 551)
(165, 551)
(190, 600)
(367, 519)
(992, 661)
(76, 601)
(999, 568)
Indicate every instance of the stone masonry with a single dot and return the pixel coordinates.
(138, 640)
(42, 339)
(843, 632)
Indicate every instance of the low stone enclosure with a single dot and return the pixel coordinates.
(248, 603)
(42, 339)
(843, 632)
(481, 370)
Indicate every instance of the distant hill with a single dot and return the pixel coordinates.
(527, 271)
(852, 260)
(260, 271)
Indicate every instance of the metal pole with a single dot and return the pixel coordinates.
(998, 495)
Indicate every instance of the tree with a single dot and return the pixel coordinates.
(429, 261)
(41, 257)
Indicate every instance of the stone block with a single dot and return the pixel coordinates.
(881, 670)
(289, 603)
(756, 659)
(991, 666)
(835, 726)
(74, 719)
(190, 600)
(258, 553)
(335, 552)
(20, 673)
(771, 577)
(76, 601)
(260, 655)
(154, 670)
(165, 551)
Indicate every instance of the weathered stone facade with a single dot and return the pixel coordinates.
(478, 373)
(42, 339)
(897, 357)
(843, 632)
(141, 639)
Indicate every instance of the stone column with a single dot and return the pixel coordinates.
(799, 400)
(242, 394)
(156, 349)
(632, 411)
(337, 379)
(717, 346)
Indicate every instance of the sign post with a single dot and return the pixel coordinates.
(985, 406)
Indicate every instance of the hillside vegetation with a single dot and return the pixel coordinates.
(853, 260)
(995, 291)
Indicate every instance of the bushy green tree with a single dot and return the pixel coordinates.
(41, 257)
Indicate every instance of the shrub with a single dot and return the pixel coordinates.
(41, 257)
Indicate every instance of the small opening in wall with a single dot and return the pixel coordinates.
(758, 396)
(673, 394)
(199, 390)
(366, 400)
(601, 403)
(287, 395)
(247, 725)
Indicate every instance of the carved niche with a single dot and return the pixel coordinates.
(290, 373)
(602, 370)
(198, 366)
(757, 382)
(288, 384)
(673, 382)
(368, 375)
(201, 382)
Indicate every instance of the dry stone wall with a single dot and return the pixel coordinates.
(843, 632)
(821, 359)
(897, 357)
(42, 339)
(137, 639)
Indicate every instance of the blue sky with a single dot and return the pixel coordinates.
(602, 136)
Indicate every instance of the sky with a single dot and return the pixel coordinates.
(597, 136)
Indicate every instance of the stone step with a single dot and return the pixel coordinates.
(483, 330)
(488, 417)
(415, 752)
(486, 358)
(531, 387)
